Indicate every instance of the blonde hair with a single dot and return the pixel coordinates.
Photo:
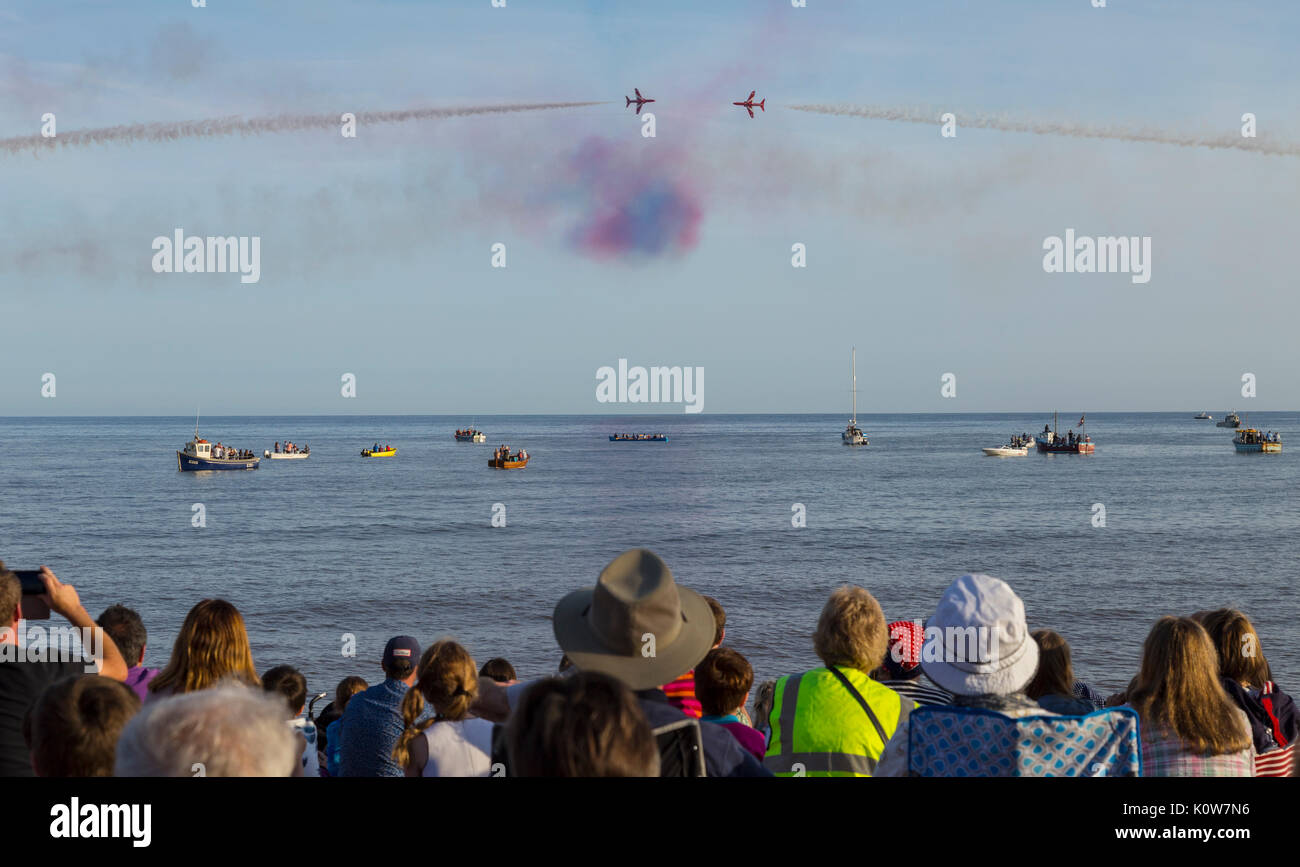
(1240, 656)
(211, 646)
(851, 630)
(1178, 689)
(448, 679)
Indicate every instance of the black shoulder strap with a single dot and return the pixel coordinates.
(880, 730)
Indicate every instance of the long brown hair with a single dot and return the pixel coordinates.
(446, 677)
(1177, 689)
(1240, 656)
(211, 646)
(1055, 675)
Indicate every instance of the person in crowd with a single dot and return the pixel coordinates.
(1053, 684)
(23, 680)
(681, 691)
(331, 739)
(722, 682)
(211, 646)
(450, 743)
(1245, 675)
(373, 723)
(127, 630)
(993, 677)
(289, 683)
(587, 725)
(225, 731)
(75, 724)
(901, 668)
(604, 628)
(499, 669)
(1190, 726)
(835, 720)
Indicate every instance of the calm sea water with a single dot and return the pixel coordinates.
(311, 550)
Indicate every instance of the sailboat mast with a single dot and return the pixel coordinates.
(855, 384)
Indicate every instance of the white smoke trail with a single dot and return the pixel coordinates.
(905, 114)
(225, 126)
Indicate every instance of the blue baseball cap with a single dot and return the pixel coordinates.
(403, 647)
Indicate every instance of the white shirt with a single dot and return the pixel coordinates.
(458, 749)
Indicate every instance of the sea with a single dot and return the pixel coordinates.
(329, 557)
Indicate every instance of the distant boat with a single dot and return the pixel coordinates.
(378, 453)
(1006, 451)
(1051, 442)
(198, 456)
(470, 435)
(1230, 420)
(1205, 415)
(853, 435)
(638, 438)
(510, 463)
(1251, 440)
(287, 456)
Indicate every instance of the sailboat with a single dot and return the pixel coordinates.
(853, 435)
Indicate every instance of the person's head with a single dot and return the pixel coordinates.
(11, 600)
(75, 724)
(637, 624)
(226, 731)
(722, 681)
(977, 642)
(1177, 689)
(1241, 658)
(211, 646)
(400, 655)
(719, 620)
(587, 725)
(348, 687)
(903, 657)
(125, 627)
(445, 679)
(498, 669)
(851, 630)
(1055, 675)
(288, 683)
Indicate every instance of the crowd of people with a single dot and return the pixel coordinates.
(648, 686)
(223, 452)
(291, 449)
(503, 453)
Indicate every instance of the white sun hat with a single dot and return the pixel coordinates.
(978, 642)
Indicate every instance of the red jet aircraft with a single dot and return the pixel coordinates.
(640, 100)
(749, 104)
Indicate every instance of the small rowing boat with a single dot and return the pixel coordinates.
(499, 464)
(378, 453)
(638, 438)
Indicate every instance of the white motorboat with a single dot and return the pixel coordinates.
(287, 456)
(1006, 451)
(853, 435)
(1205, 416)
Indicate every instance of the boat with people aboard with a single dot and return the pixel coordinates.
(853, 435)
(199, 455)
(1205, 416)
(470, 435)
(1050, 440)
(504, 459)
(1230, 420)
(1016, 447)
(290, 452)
(1252, 440)
(378, 451)
(638, 438)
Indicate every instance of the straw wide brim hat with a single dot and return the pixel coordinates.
(636, 624)
(988, 603)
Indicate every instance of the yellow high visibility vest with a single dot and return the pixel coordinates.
(821, 729)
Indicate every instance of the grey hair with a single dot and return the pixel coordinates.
(225, 731)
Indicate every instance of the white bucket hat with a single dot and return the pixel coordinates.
(977, 642)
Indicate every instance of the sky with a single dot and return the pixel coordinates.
(376, 252)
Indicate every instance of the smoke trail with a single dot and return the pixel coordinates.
(225, 126)
(1071, 130)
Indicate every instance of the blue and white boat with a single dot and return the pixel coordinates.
(197, 456)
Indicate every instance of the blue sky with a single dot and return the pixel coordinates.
(923, 252)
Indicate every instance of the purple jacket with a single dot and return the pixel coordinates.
(138, 679)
